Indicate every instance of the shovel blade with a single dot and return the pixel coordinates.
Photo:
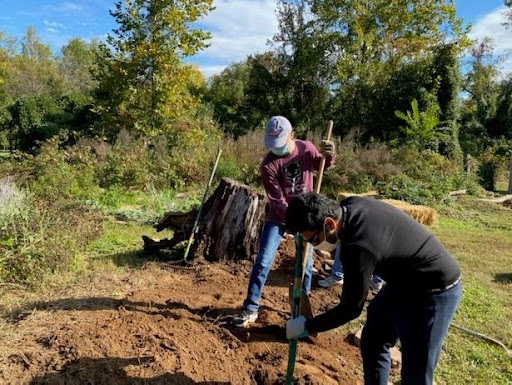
(305, 306)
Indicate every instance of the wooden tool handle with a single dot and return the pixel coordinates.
(322, 161)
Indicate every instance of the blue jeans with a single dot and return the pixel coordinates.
(419, 320)
(269, 242)
(337, 269)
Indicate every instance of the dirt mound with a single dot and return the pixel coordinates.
(174, 331)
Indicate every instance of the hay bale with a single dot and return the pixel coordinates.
(423, 214)
(344, 195)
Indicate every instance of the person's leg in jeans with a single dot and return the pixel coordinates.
(269, 242)
(336, 276)
(308, 272)
(337, 267)
(376, 283)
(378, 336)
(422, 325)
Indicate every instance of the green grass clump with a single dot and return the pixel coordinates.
(479, 235)
(37, 237)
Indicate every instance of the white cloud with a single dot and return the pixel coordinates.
(54, 39)
(52, 30)
(53, 24)
(71, 7)
(65, 7)
(491, 25)
(239, 28)
(209, 70)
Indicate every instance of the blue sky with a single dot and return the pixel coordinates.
(239, 27)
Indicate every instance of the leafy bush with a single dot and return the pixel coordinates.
(420, 129)
(126, 165)
(404, 188)
(32, 121)
(39, 237)
(59, 174)
(358, 168)
(493, 161)
(193, 143)
(428, 178)
(241, 158)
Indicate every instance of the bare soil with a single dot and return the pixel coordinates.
(164, 325)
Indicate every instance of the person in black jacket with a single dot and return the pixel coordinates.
(423, 285)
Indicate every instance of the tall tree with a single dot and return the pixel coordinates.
(34, 70)
(373, 38)
(263, 97)
(479, 107)
(446, 73)
(227, 92)
(143, 82)
(77, 63)
(305, 54)
(508, 24)
(4, 97)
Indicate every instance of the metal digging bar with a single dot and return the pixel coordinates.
(301, 255)
(194, 227)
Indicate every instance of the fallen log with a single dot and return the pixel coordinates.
(502, 199)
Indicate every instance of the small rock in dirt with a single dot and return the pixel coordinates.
(396, 357)
(323, 254)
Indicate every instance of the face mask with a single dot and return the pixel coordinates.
(326, 245)
(281, 151)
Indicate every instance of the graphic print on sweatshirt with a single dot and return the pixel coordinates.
(293, 178)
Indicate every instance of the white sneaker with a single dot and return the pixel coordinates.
(376, 284)
(329, 281)
(244, 318)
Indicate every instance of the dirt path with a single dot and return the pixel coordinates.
(164, 326)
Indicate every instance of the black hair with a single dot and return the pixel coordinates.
(308, 212)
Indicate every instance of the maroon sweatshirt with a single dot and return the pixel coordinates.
(289, 175)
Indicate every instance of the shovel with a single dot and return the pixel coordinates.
(305, 305)
(301, 304)
(194, 227)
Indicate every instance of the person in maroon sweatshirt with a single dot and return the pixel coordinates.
(286, 170)
(423, 284)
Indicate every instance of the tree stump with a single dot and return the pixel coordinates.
(229, 227)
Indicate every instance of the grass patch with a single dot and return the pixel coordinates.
(144, 206)
(120, 246)
(479, 235)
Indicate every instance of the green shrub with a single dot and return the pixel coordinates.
(126, 165)
(428, 177)
(59, 174)
(493, 162)
(39, 237)
(404, 188)
(32, 120)
(241, 158)
(358, 168)
(193, 143)
(114, 197)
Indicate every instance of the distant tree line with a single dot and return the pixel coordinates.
(388, 69)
